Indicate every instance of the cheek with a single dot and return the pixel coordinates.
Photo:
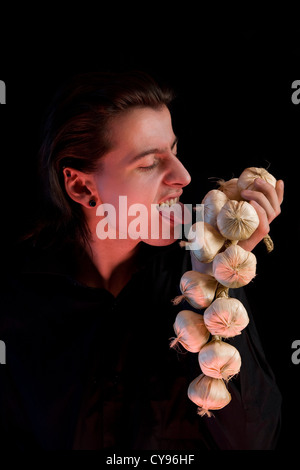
(137, 190)
(131, 197)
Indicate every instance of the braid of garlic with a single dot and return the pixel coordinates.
(227, 220)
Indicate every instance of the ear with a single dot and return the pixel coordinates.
(80, 187)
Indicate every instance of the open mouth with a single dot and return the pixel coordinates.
(168, 203)
(172, 210)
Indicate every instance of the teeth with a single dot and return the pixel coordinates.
(169, 202)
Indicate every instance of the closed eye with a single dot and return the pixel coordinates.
(149, 167)
(157, 160)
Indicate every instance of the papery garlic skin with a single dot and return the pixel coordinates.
(226, 317)
(205, 241)
(237, 220)
(213, 203)
(197, 288)
(230, 189)
(249, 175)
(190, 330)
(219, 360)
(208, 393)
(234, 267)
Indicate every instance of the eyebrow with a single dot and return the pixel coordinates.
(151, 151)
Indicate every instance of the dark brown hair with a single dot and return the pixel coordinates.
(76, 134)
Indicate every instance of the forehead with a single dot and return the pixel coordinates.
(138, 127)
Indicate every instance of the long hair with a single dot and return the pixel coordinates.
(76, 134)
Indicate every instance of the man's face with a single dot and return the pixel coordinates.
(142, 165)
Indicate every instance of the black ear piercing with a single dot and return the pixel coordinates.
(92, 203)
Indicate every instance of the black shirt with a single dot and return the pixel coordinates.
(86, 370)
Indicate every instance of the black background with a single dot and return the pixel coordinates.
(233, 110)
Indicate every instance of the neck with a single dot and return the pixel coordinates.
(109, 264)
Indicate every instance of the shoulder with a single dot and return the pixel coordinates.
(30, 270)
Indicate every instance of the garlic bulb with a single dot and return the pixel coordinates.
(205, 241)
(219, 360)
(197, 288)
(208, 394)
(226, 317)
(190, 330)
(230, 189)
(248, 176)
(213, 203)
(237, 220)
(234, 267)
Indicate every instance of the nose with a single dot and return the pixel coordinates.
(176, 174)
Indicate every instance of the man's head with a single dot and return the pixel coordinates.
(97, 127)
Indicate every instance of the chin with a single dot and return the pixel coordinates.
(172, 233)
(172, 237)
(160, 242)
